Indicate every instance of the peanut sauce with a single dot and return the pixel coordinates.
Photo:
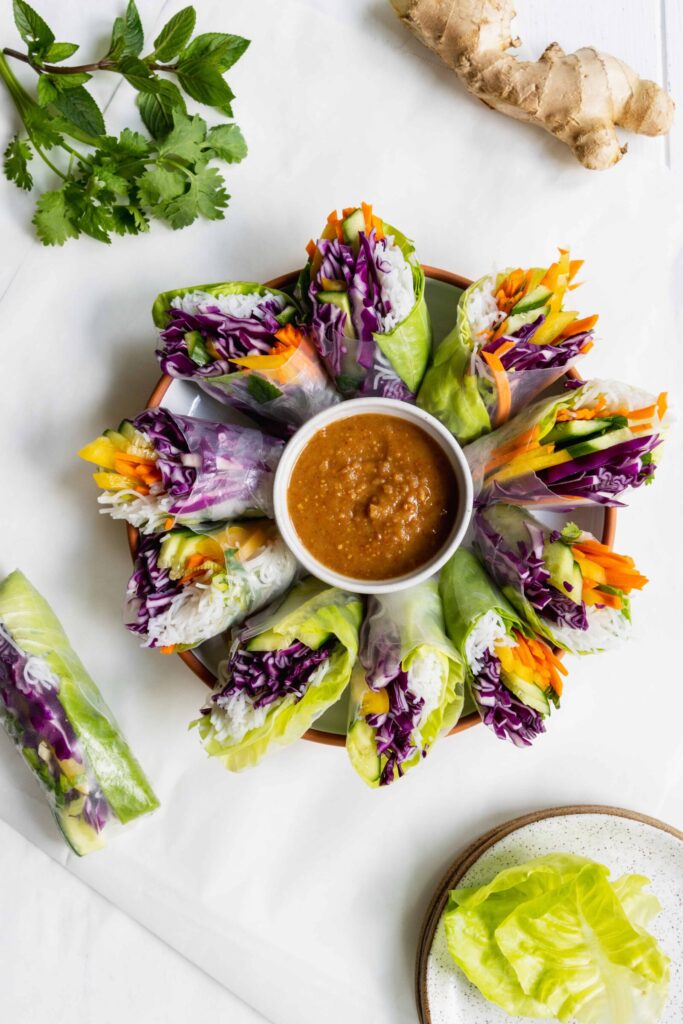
(372, 496)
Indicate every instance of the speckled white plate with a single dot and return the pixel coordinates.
(625, 842)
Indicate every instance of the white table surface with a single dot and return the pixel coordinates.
(67, 954)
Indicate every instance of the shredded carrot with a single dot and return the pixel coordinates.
(618, 571)
(500, 379)
(565, 414)
(367, 217)
(586, 348)
(310, 248)
(646, 413)
(662, 405)
(574, 268)
(348, 210)
(168, 523)
(168, 649)
(288, 337)
(579, 326)
(379, 228)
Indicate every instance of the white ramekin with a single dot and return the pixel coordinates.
(363, 407)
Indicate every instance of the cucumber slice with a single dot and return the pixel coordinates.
(575, 430)
(131, 433)
(598, 444)
(530, 694)
(517, 320)
(352, 226)
(532, 300)
(118, 440)
(341, 300)
(559, 561)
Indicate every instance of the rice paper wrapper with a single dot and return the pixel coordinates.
(258, 568)
(311, 613)
(59, 722)
(460, 388)
(528, 489)
(392, 364)
(467, 593)
(286, 387)
(398, 629)
(210, 471)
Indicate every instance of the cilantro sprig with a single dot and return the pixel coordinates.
(115, 184)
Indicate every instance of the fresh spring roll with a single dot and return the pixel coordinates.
(161, 469)
(407, 689)
(569, 587)
(514, 678)
(584, 447)
(238, 342)
(368, 311)
(286, 666)
(187, 587)
(61, 725)
(512, 339)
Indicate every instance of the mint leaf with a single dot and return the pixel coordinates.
(53, 220)
(159, 185)
(37, 35)
(70, 81)
(175, 34)
(15, 165)
(59, 51)
(211, 195)
(227, 143)
(203, 82)
(78, 106)
(261, 389)
(186, 139)
(223, 49)
(127, 36)
(47, 90)
(137, 74)
(156, 109)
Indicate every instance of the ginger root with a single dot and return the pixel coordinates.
(579, 97)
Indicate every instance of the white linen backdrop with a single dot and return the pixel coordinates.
(294, 886)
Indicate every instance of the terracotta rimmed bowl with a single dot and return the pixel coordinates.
(197, 667)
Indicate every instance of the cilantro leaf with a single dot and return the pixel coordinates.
(59, 51)
(78, 107)
(159, 185)
(222, 49)
(211, 195)
(45, 130)
(156, 109)
(35, 32)
(52, 219)
(128, 219)
(175, 34)
(17, 156)
(186, 139)
(227, 143)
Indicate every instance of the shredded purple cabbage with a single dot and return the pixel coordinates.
(394, 728)
(524, 568)
(203, 465)
(36, 720)
(269, 676)
(503, 712)
(151, 590)
(231, 337)
(356, 364)
(604, 474)
(527, 356)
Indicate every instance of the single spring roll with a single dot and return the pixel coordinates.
(286, 666)
(238, 341)
(161, 470)
(569, 587)
(188, 587)
(407, 689)
(512, 339)
(369, 316)
(61, 725)
(584, 447)
(515, 679)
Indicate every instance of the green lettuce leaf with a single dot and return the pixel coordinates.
(36, 630)
(162, 303)
(415, 617)
(409, 345)
(450, 390)
(312, 613)
(467, 593)
(553, 938)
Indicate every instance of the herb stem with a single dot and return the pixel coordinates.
(101, 65)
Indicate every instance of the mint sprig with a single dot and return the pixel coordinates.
(113, 185)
